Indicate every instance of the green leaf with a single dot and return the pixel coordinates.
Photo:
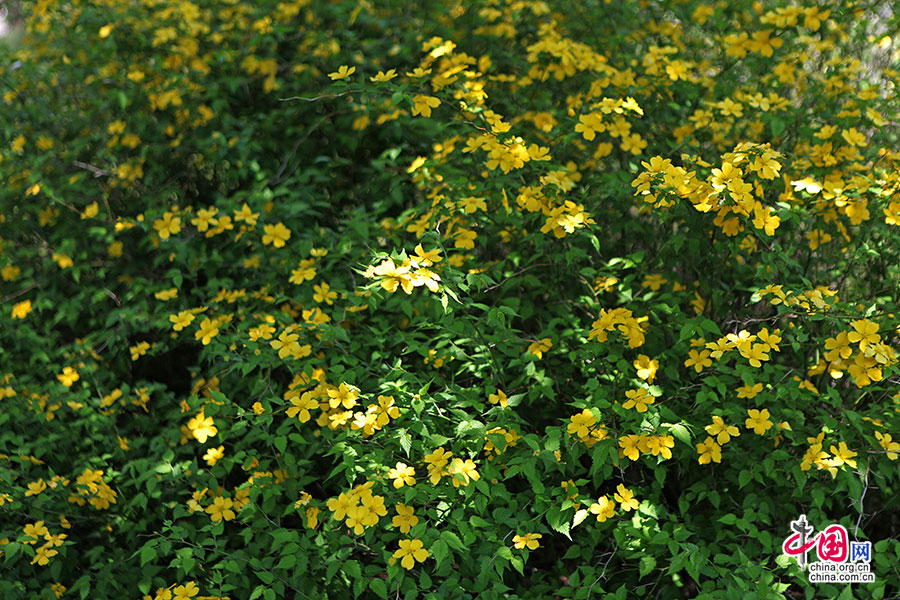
(439, 552)
(777, 126)
(516, 562)
(405, 440)
(680, 432)
(378, 586)
(646, 565)
(558, 522)
(452, 540)
(728, 519)
(352, 568)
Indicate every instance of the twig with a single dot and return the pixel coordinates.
(316, 98)
(863, 495)
(98, 172)
(519, 272)
(19, 293)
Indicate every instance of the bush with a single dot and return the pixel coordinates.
(445, 300)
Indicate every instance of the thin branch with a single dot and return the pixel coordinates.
(322, 97)
(97, 171)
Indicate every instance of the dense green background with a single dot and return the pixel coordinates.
(153, 151)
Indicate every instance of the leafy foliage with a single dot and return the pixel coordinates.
(511, 299)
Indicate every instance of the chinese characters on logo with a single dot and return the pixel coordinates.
(833, 548)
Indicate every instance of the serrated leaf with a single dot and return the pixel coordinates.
(405, 441)
(646, 565)
(516, 562)
(378, 586)
(452, 540)
(579, 517)
(728, 519)
(439, 552)
(680, 432)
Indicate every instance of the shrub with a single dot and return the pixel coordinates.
(503, 300)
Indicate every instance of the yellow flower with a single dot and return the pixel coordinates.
(853, 137)
(865, 332)
(246, 215)
(749, 391)
(68, 376)
(402, 474)
(36, 530)
(168, 225)
(343, 72)
(698, 360)
(411, 551)
(342, 394)
(202, 427)
(603, 508)
(891, 447)
(166, 294)
(422, 105)
(36, 487)
(529, 540)
(10, 272)
(105, 31)
(638, 399)
(500, 397)
(186, 592)
(181, 320)
(630, 445)
(206, 218)
(221, 509)
(208, 330)
(213, 455)
(463, 471)
(306, 271)
(418, 72)
(625, 498)
(43, 555)
(660, 445)
(90, 211)
(405, 519)
(436, 461)
(709, 451)
(276, 235)
(581, 423)
(721, 430)
(62, 261)
(312, 517)
(843, 455)
(139, 350)
(21, 309)
(758, 421)
(382, 77)
(646, 368)
(539, 347)
(472, 203)
(300, 407)
(323, 293)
